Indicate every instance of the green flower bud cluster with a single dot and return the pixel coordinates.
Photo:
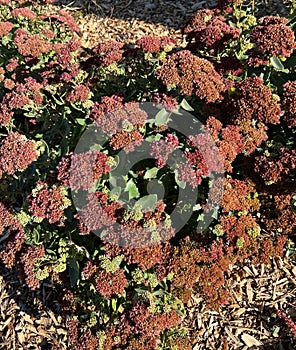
(138, 276)
(111, 265)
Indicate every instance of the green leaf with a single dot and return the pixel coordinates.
(132, 189)
(147, 202)
(151, 173)
(162, 117)
(80, 121)
(113, 304)
(277, 64)
(151, 138)
(185, 105)
(73, 272)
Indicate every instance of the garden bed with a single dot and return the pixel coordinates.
(43, 315)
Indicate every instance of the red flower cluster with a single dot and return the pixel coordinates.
(65, 18)
(24, 12)
(86, 168)
(154, 44)
(12, 64)
(126, 140)
(104, 54)
(229, 65)
(5, 28)
(288, 103)
(107, 105)
(79, 93)
(235, 195)
(149, 324)
(16, 153)
(48, 203)
(253, 100)
(110, 283)
(288, 321)
(193, 75)
(130, 114)
(95, 216)
(183, 262)
(210, 159)
(28, 259)
(15, 240)
(253, 134)
(63, 169)
(167, 102)
(163, 148)
(229, 140)
(31, 45)
(273, 169)
(273, 37)
(285, 215)
(207, 30)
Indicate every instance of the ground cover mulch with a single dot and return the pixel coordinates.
(33, 319)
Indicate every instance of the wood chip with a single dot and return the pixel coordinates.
(250, 341)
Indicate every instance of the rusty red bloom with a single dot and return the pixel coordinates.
(110, 283)
(49, 203)
(86, 168)
(104, 54)
(16, 153)
(78, 94)
(288, 103)
(253, 100)
(166, 101)
(28, 259)
(192, 75)
(273, 37)
(155, 44)
(207, 30)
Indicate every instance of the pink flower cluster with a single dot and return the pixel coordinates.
(192, 75)
(66, 18)
(28, 259)
(86, 168)
(110, 283)
(275, 169)
(288, 321)
(112, 119)
(107, 105)
(150, 324)
(272, 37)
(166, 101)
(163, 148)
(78, 94)
(31, 45)
(5, 28)
(104, 54)
(24, 12)
(208, 30)
(16, 153)
(49, 203)
(154, 44)
(126, 139)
